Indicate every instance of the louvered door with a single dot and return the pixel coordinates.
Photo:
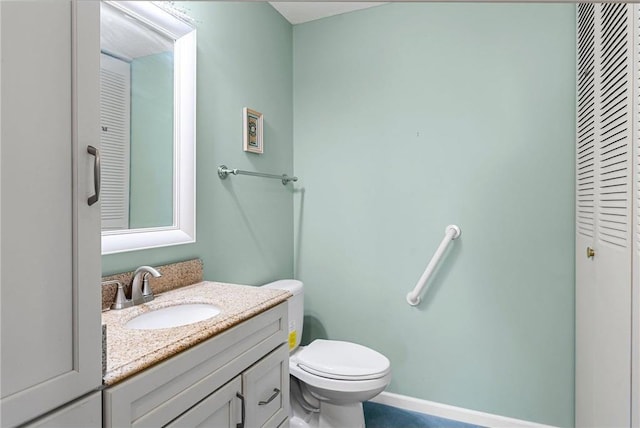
(612, 245)
(603, 215)
(115, 137)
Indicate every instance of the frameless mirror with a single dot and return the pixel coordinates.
(147, 109)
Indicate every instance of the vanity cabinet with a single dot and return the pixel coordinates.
(242, 371)
(50, 351)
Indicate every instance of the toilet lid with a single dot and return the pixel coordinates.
(342, 360)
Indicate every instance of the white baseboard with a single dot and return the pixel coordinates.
(451, 412)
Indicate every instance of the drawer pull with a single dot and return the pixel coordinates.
(276, 392)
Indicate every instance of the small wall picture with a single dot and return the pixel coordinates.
(252, 131)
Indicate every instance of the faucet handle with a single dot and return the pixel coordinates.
(147, 292)
(121, 301)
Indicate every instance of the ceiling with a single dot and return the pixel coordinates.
(297, 12)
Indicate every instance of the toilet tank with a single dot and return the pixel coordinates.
(296, 308)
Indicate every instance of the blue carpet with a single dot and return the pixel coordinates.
(383, 416)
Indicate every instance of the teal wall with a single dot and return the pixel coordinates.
(410, 117)
(151, 173)
(244, 224)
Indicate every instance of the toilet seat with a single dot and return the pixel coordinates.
(333, 359)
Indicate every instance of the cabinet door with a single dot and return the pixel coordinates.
(266, 390)
(50, 251)
(219, 410)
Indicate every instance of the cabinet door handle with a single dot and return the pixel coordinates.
(242, 411)
(276, 392)
(590, 253)
(96, 175)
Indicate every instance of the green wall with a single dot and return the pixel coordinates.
(244, 224)
(151, 173)
(410, 117)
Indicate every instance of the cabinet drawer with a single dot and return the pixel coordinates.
(266, 390)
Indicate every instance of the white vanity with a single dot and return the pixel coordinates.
(229, 371)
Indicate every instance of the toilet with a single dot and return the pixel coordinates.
(329, 379)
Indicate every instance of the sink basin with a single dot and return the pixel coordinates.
(173, 316)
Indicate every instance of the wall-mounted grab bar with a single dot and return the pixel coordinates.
(223, 172)
(451, 232)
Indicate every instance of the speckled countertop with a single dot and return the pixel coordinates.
(130, 351)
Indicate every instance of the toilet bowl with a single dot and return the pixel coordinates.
(329, 379)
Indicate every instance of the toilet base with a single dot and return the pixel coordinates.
(330, 416)
(340, 416)
(325, 415)
(297, 422)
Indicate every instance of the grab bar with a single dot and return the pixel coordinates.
(223, 172)
(451, 232)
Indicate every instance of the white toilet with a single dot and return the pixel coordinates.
(329, 379)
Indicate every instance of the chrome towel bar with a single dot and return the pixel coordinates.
(223, 172)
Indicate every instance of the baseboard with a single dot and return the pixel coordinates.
(451, 412)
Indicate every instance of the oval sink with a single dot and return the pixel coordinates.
(173, 316)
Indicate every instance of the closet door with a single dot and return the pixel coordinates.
(613, 227)
(603, 240)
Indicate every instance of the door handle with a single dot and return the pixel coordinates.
(590, 253)
(96, 174)
(243, 410)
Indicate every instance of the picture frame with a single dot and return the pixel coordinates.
(252, 131)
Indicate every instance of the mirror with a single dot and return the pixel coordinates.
(147, 108)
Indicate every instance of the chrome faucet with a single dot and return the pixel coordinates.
(142, 293)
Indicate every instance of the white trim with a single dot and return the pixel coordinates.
(453, 413)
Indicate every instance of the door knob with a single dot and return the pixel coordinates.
(590, 252)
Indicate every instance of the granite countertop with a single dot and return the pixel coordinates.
(131, 351)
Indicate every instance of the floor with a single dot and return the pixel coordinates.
(383, 416)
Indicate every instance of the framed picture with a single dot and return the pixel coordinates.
(252, 131)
